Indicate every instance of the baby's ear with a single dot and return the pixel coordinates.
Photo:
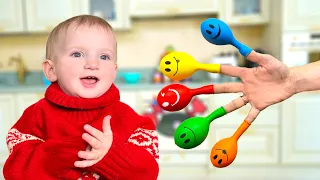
(49, 71)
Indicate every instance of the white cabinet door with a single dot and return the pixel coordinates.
(147, 8)
(301, 15)
(24, 100)
(300, 129)
(257, 145)
(129, 98)
(7, 119)
(11, 19)
(245, 11)
(44, 15)
(116, 12)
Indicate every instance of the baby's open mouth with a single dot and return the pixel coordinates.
(89, 80)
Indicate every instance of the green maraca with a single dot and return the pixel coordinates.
(193, 131)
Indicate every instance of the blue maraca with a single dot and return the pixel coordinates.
(219, 33)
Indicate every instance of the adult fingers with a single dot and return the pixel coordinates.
(236, 104)
(228, 88)
(258, 58)
(230, 70)
(253, 114)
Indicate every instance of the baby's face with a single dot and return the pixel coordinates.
(85, 61)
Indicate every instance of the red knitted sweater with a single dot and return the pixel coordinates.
(44, 142)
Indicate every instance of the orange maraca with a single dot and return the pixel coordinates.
(224, 152)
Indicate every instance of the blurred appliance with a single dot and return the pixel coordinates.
(167, 122)
(300, 48)
(250, 64)
(224, 58)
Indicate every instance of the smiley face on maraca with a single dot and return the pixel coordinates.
(216, 31)
(224, 152)
(174, 97)
(191, 132)
(177, 65)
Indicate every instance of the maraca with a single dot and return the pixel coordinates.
(193, 131)
(175, 97)
(180, 65)
(219, 33)
(224, 152)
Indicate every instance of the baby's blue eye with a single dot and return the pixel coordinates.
(104, 57)
(76, 54)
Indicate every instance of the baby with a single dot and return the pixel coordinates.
(80, 129)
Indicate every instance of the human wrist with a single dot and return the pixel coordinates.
(297, 80)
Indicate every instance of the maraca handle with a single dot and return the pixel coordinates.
(213, 68)
(241, 129)
(243, 49)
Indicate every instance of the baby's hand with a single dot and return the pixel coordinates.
(100, 143)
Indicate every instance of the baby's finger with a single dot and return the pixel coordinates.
(92, 141)
(94, 132)
(88, 155)
(228, 88)
(236, 104)
(85, 163)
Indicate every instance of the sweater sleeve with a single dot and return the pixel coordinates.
(135, 159)
(32, 157)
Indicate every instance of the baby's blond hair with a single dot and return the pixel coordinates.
(80, 20)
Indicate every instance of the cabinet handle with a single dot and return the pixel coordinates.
(172, 10)
(244, 111)
(244, 20)
(49, 28)
(182, 154)
(40, 95)
(250, 131)
(314, 28)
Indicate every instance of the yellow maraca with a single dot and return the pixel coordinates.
(180, 65)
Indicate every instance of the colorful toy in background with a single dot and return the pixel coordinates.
(180, 65)
(158, 77)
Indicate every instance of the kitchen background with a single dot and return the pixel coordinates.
(282, 143)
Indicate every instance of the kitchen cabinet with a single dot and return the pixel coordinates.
(128, 98)
(7, 117)
(301, 15)
(24, 100)
(11, 17)
(300, 129)
(44, 15)
(116, 12)
(41, 16)
(244, 12)
(256, 146)
(148, 8)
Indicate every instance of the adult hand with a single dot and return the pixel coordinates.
(269, 83)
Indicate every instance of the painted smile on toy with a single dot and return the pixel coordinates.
(223, 152)
(177, 60)
(165, 104)
(193, 133)
(219, 31)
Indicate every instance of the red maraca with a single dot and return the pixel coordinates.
(175, 97)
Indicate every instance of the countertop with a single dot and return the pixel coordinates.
(121, 86)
